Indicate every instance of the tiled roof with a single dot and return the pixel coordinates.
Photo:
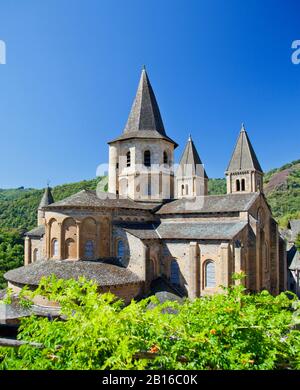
(190, 162)
(36, 232)
(210, 204)
(89, 198)
(244, 157)
(103, 274)
(144, 120)
(200, 230)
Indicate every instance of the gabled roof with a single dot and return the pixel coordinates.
(190, 162)
(210, 204)
(89, 199)
(47, 198)
(144, 120)
(200, 230)
(294, 226)
(184, 230)
(243, 157)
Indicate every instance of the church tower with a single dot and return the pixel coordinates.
(244, 173)
(47, 199)
(191, 178)
(141, 159)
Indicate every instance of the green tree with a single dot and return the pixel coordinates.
(231, 330)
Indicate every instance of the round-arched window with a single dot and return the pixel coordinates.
(89, 249)
(166, 159)
(128, 159)
(147, 158)
(54, 248)
(175, 279)
(210, 274)
(120, 249)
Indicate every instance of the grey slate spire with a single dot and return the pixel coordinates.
(190, 162)
(243, 157)
(144, 120)
(47, 198)
(145, 114)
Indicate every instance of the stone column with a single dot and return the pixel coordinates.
(194, 260)
(225, 264)
(98, 253)
(48, 241)
(237, 262)
(112, 169)
(27, 251)
(258, 258)
(61, 241)
(78, 224)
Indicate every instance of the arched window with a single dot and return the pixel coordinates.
(89, 249)
(147, 158)
(54, 248)
(175, 273)
(186, 189)
(210, 274)
(166, 160)
(35, 255)
(128, 159)
(182, 189)
(120, 250)
(238, 185)
(243, 185)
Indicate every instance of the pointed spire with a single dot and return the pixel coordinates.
(145, 114)
(47, 198)
(190, 162)
(243, 157)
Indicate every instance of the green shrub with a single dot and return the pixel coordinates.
(231, 330)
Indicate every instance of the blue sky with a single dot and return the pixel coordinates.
(73, 67)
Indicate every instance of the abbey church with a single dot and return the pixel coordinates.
(158, 223)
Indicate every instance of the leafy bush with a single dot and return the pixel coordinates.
(11, 252)
(233, 330)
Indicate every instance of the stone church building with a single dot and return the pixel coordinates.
(158, 223)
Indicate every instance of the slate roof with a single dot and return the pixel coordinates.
(89, 199)
(294, 226)
(295, 263)
(184, 230)
(144, 120)
(200, 230)
(103, 274)
(47, 198)
(144, 231)
(36, 232)
(243, 157)
(210, 204)
(190, 162)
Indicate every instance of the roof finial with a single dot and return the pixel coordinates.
(190, 137)
(144, 67)
(243, 127)
(48, 183)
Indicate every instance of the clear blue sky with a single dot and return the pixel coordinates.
(73, 67)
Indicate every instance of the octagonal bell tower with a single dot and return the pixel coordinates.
(141, 159)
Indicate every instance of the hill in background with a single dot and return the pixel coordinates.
(18, 207)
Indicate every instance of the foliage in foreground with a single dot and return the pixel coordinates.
(11, 252)
(233, 330)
